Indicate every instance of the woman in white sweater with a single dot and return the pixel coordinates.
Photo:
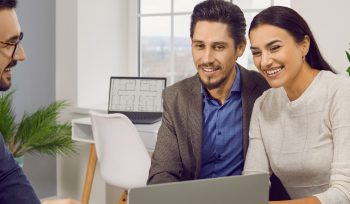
(300, 128)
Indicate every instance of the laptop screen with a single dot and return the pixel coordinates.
(136, 94)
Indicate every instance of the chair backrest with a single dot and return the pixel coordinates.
(123, 158)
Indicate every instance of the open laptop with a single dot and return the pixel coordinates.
(139, 98)
(245, 189)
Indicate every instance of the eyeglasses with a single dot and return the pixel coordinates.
(14, 44)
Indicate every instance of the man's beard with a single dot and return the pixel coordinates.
(209, 83)
(3, 85)
(213, 85)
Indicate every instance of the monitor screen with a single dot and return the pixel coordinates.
(136, 94)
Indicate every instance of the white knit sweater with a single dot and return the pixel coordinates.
(305, 142)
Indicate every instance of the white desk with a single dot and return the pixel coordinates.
(82, 132)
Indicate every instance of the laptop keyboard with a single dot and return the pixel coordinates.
(143, 117)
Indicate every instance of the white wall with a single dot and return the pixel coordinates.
(102, 47)
(91, 45)
(329, 22)
(67, 51)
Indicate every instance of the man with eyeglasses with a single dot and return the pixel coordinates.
(14, 186)
(11, 50)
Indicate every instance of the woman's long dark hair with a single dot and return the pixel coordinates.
(9, 4)
(289, 20)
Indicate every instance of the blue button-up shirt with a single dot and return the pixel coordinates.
(222, 145)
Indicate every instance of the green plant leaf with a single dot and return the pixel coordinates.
(36, 133)
(348, 55)
(39, 132)
(348, 70)
(39, 124)
(58, 142)
(7, 118)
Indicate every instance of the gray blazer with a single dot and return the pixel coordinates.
(177, 155)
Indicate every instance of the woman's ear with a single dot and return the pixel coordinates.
(305, 45)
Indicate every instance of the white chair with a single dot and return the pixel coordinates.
(123, 158)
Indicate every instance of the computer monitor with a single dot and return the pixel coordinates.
(139, 98)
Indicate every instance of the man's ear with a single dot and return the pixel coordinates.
(241, 47)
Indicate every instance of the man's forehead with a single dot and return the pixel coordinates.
(9, 25)
(212, 33)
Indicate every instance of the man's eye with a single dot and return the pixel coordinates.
(256, 53)
(6, 45)
(199, 46)
(219, 47)
(11, 42)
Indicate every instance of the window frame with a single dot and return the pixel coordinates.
(135, 16)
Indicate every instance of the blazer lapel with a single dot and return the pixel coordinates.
(248, 98)
(196, 123)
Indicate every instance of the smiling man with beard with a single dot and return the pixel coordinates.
(11, 49)
(14, 186)
(204, 131)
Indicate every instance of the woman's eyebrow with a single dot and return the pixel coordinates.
(267, 45)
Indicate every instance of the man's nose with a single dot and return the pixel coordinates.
(20, 54)
(208, 56)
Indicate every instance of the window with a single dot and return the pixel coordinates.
(164, 44)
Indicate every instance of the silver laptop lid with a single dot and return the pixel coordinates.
(136, 94)
(245, 189)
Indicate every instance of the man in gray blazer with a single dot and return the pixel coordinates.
(204, 131)
(205, 124)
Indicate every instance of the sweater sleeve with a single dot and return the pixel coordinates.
(256, 159)
(339, 187)
(14, 186)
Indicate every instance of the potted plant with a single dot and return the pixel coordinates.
(37, 132)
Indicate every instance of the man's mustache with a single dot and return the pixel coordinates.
(208, 65)
(11, 64)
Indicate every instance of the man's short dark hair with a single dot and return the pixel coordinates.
(10, 4)
(222, 12)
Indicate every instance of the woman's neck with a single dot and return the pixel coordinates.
(301, 82)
